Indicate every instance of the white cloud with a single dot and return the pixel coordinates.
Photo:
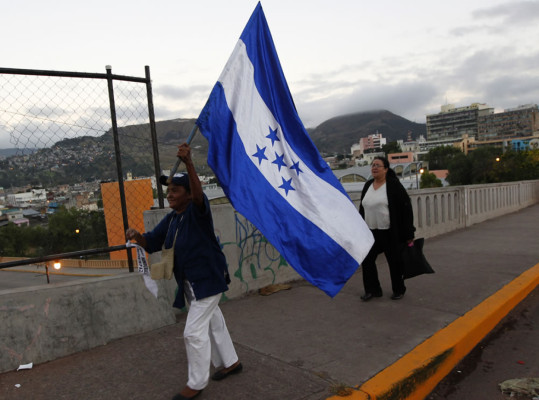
(339, 57)
(514, 12)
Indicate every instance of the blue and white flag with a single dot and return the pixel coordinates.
(272, 172)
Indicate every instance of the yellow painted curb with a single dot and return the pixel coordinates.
(415, 375)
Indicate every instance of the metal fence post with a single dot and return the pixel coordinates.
(118, 159)
(153, 132)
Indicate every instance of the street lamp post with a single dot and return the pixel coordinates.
(81, 239)
(56, 265)
(81, 242)
(420, 172)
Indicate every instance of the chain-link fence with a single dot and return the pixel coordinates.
(78, 161)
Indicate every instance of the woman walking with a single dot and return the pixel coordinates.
(387, 210)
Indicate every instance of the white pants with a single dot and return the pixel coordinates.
(206, 339)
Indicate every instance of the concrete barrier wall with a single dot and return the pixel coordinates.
(253, 262)
(43, 323)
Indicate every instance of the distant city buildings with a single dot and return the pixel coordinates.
(14, 215)
(406, 157)
(453, 123)
(371, 142)
(478, 125)
(517, 122)
(32, 195)
(466, 128)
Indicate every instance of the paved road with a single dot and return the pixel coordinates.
(511, 351)
(14, 280)
(30, 275)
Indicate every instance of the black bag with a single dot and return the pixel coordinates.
(414, 261)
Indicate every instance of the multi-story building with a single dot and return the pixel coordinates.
(18, 199)
(399, 158)
(521, 121)
(452, 122)
(371, 142)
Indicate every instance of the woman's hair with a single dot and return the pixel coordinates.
(390, 173)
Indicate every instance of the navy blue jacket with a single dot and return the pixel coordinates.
(198, 257)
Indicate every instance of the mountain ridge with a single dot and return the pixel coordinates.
(340, 133)
(88, 158)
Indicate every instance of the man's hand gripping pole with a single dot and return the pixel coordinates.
(179, 160)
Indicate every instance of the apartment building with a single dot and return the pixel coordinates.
(371, 142)
(521, 121)
(452, 123)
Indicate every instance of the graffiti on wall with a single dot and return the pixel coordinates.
(256, 256)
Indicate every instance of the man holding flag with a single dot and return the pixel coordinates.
(272, 172)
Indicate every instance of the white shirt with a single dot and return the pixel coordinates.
(376, 207)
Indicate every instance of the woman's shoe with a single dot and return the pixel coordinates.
(369, 296)
(397, 296)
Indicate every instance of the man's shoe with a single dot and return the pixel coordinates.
(369, 296)
(225, 372)
(397, 296)
(188, 394)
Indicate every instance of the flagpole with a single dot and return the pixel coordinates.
(179, 160)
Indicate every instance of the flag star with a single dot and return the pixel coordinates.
(279, 161)
(296, 167)
(260, 154)
(287, 185)
(273, 136)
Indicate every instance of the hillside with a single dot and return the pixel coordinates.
(93, 158)
(13, 151)
(338, 134)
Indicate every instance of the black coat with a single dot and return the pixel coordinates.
(401, 216)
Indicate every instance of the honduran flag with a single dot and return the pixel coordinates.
(271, 171)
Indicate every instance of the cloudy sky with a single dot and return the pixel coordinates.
(339, 56)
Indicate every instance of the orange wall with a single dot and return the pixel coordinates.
(138, 198)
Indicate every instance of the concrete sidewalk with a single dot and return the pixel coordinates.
(301, 344)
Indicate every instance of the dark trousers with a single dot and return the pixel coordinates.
(383, 244)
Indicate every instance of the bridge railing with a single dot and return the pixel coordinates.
(255, 263)
(441, 210)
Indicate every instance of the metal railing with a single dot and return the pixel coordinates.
(50, 115)
(58, 257)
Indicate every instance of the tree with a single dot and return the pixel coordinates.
(429, 180)
(486, 165)
(59, 236)
(391, 148)
(62, 237)
(14, 240)
(440, 157)
(517, 165)
(459, 170)
(482, 164)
